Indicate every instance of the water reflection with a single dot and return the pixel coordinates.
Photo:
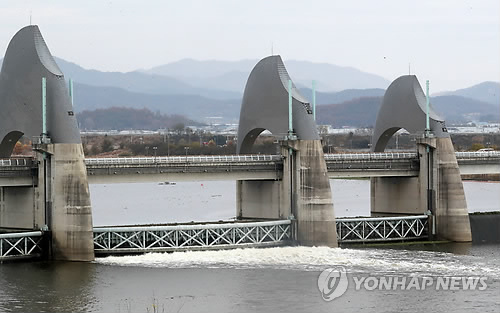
(47, 287)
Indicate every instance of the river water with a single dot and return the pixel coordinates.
(249, 280)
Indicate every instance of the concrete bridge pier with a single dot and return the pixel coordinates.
(438, 191)
(303, 194)
(63, 201)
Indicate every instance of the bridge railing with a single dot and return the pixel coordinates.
(190, 237)
(477, 154)
(370, 156)
(20, 245)
(185, 159)
(382, 228)
(16, 162)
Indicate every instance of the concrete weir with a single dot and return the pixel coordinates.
(36, 104)
(438, 189)
(271, 101)
(67, 201)
(312, 204)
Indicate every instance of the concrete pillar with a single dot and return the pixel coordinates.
(312, 203)
(452, 215)
(65, 199)
(437, 189)
(304, 193)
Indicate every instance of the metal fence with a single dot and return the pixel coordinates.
(20, 245)
(370, 156)
(382, 228)
(477, 154)
(111, 240)
(16, 162)
(185, 159)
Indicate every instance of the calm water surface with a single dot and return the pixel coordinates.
(246, 280)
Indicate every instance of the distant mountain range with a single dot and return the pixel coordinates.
(362, 112)
(232, 75)
(488, 92)
(195, 107)
(201, 90)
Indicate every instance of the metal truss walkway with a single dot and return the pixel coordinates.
(214, 236)
(116, 240)
(23, 245)
(376, 229)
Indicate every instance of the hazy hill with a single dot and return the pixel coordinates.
(192, 106)
(362, 112)
(232, 75)
(138, 82)
(488, 92)
(462, 109)
(341, 96)
(128, 118)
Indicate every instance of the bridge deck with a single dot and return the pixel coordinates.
(20, 171)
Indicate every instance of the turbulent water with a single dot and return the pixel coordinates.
(282, 279)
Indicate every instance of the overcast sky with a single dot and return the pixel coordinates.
(454, 43)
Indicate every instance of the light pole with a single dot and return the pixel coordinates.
(154, 149)
(186, 149)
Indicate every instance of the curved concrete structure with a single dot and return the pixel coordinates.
(304, 190)
(265, 106)
(404, 106)
(438, 189)
(60, 199)
(26, 61)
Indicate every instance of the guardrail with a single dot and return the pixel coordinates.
(16, 162)
(382, 228)
(370, 156)
(20, 245)
(185, 159)
(113, 240)
(477, 154)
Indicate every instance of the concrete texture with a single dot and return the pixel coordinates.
(265, 106)
(438, 188)
(452, 216)
(260, 199)
(404, 106)
(312, 198)
(304, 190)
(71, 211)
(60, 199)
(16, 207)
(26, 61)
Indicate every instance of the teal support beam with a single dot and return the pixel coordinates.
(71, 91)
(290, 113)
(314, 98)
(44, 107)
(427, 123)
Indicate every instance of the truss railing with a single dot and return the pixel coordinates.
(478, 155)
(382, 228)
(20, 245)
(185, 159)
(110, 240)
(370, 156)
(16, 162)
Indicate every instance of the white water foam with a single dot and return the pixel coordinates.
(376, 261)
